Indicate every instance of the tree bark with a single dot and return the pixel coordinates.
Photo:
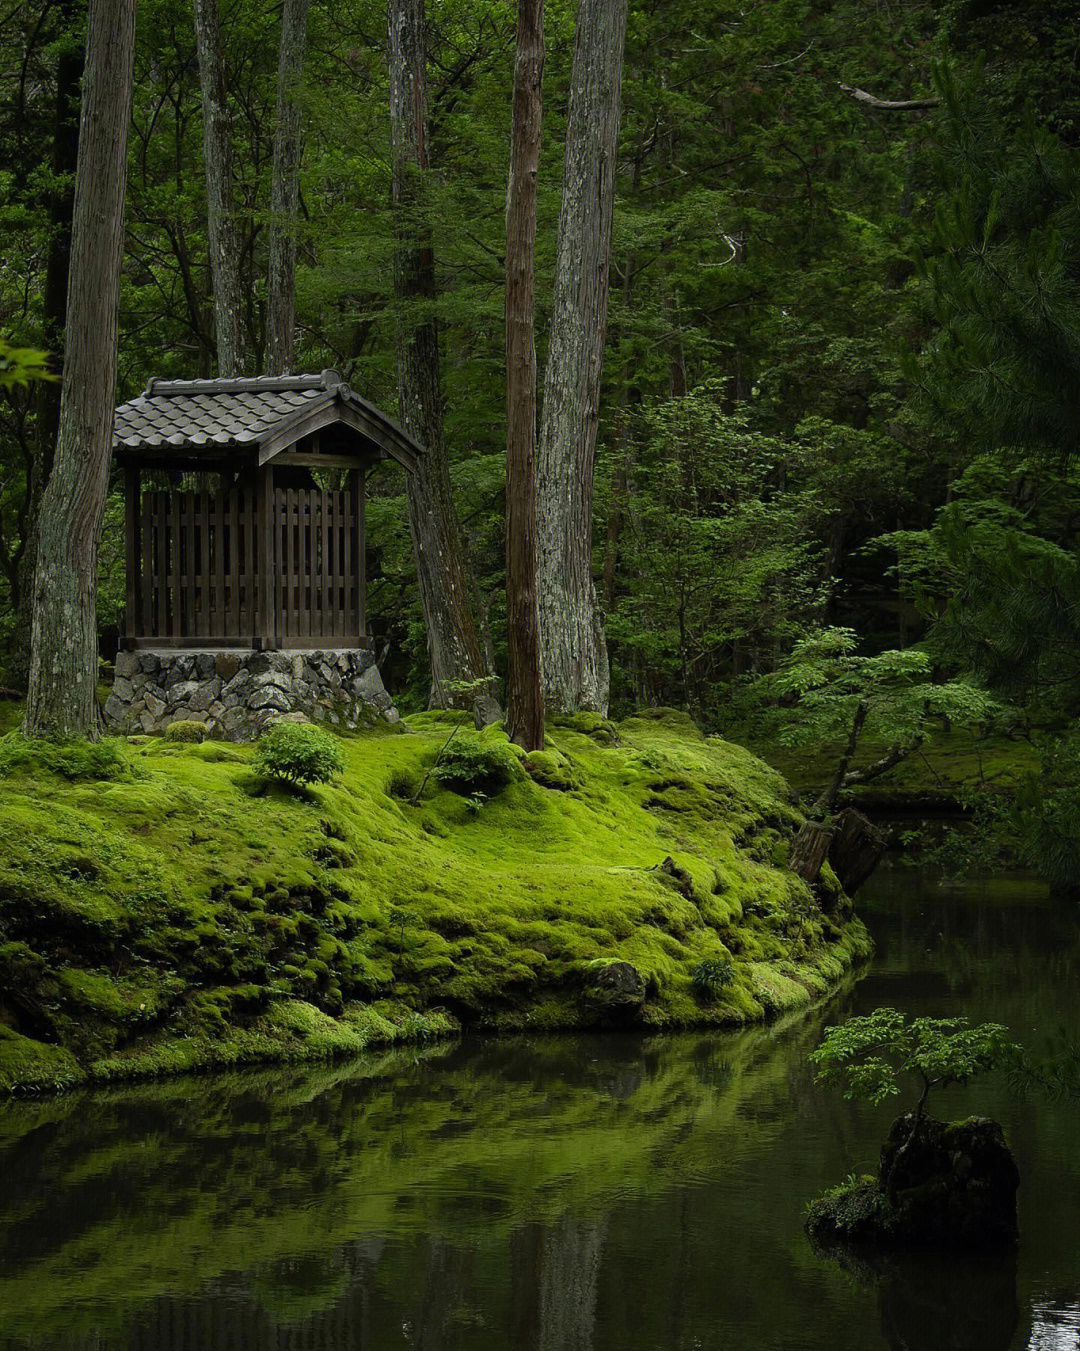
(453, 644)
(217, 152)
(65, 149)
(575, 663)
(63, 661)
(524, 690)
(284, 191)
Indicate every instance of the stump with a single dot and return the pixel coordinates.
(855, 849)
(809, 850)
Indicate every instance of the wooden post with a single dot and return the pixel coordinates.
(132, 552)
(360, 561)
(265, 556)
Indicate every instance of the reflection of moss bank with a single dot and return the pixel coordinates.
(455, 1145)
(170, 917)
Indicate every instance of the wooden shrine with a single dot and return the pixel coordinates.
(244, 519)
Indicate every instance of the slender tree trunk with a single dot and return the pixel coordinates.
(453, 644)
(65, 149)
(575, 663)
(524, 691)
(284, 191)
(63, 661)
(217, 152)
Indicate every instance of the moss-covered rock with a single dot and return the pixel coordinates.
(951, 1184)
(160, 917)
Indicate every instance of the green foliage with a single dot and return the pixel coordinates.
(20, 365)
(188, 730)
(476, 764)
(298, 754)
(712, 976)
(868, 1055)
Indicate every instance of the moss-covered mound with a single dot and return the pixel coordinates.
(162, 908)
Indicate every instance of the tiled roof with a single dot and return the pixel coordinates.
(218, 412)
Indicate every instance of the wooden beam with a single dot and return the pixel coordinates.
(305, 460)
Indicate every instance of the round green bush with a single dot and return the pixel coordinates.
(476, 764)
(187, 730)
(296, 753)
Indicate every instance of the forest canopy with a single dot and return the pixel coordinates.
(841, 376)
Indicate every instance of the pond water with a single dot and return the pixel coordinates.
(603, 1193)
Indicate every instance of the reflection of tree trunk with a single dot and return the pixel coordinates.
(284, 191)
(447, 1273)
(575, 663)
(554, 1278)
(442, 575)
(64, 648)
(568, 1286)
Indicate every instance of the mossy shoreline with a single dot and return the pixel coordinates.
(163, 910)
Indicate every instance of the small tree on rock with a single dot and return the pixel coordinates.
(871, 1055)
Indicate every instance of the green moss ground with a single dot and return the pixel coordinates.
(180, 914)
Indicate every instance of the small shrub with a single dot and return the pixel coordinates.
(296, 753)
(403, 784)
(712, 975)
(473, 765)
(187, 730)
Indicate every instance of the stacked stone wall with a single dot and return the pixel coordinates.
(237, 694)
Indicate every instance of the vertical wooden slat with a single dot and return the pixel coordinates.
(281, 530)
(290, 563)
(234, 629)
(348, 576)
(330, 595)
(250, 568)
(265, 625)
(173, 499)
(146, 626)
(190, 581)
(324, 566)
(361, 559)
(161, 543)
(218, 527)
(131, 551)
(307, 551)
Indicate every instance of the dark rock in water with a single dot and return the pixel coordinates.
(954, 1186)
(616, 988)
(930, 1301)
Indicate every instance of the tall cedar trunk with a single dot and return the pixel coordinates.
(63, 660)
(217, 152)
(284, 191)
(575, 663)
(65, 149)
(524, 691)
(453, 644)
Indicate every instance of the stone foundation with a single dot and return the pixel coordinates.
(237, 694)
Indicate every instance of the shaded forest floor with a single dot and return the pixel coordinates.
(164, 909)
(941, 776)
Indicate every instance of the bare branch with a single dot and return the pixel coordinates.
(891, 105)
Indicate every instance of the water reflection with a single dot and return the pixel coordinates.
(560, 1194)
(930, 1302)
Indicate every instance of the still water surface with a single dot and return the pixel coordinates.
(604, 1193)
